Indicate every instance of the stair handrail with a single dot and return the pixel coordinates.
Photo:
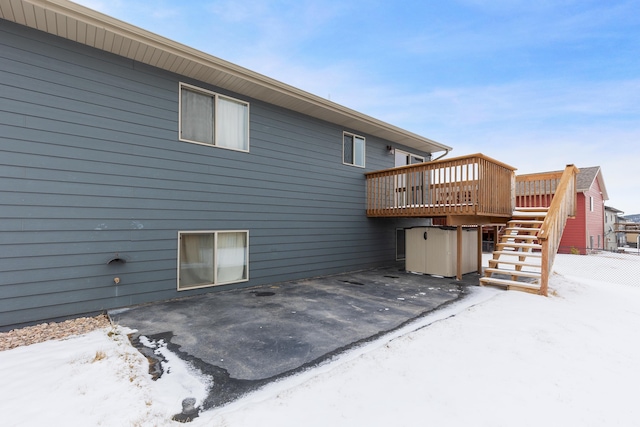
(562, 207)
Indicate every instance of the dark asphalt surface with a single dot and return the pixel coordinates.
(245, 338)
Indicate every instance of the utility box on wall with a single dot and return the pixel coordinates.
(433, 250)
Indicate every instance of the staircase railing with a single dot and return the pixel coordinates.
(563, 206)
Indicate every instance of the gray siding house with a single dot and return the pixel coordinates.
(135, 169)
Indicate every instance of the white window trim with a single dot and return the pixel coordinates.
(591, 203)
(407, 153)
(216, 96)
(215, 270)
(364, 150)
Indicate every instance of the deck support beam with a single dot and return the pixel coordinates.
(479, 250)
(459, 253)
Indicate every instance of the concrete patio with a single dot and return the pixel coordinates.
(245, 338)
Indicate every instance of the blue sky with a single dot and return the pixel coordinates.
(534, 84)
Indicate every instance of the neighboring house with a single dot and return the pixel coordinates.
(629, 228)
(613, 237)
(630, 231)
(135, 169)
(632, 238)
(585, 232)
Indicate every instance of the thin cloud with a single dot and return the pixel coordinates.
(265, 28)
(507, 25)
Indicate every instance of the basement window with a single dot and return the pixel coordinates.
(211, 258)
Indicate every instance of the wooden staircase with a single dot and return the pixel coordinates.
(524, 255)
(516, 263)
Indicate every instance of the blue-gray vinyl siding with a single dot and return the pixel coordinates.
(91, 167)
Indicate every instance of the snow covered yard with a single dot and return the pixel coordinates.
(96, 379)
(512, 359)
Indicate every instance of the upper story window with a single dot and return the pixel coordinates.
(209, 118)
(591, 203)
(403, 158)
(353, 149)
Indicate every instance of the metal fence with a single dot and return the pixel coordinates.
(621, 267)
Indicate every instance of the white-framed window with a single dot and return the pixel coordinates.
(353, 149)
(210, 258)
(403, 158)
(591, 203)
(213, 119)
(409, 186)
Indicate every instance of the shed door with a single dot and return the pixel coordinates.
(416, 254)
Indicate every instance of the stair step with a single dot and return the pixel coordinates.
(519, 245)
(519, 236)
(517, 214)
(514, 223)
(531, 274)
(529, 209)
(519, 253)
(511, 284)
(510, 230)
(495, 262)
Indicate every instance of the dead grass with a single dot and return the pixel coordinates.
(99, 356)
(51, 331)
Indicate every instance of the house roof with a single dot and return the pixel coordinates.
(614, 210)
(587, 176)
(86, 26)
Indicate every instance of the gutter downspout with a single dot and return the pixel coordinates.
(439, 157)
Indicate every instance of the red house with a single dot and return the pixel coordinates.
(586, 230)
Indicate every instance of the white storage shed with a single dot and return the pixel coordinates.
(434, 250)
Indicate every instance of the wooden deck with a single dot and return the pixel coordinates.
(477, 190)
(466, 190)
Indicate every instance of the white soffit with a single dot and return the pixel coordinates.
(86, 26)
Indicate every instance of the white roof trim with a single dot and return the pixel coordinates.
(86, 26)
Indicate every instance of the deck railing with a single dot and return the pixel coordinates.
(562, 207)
(536, 189)
(474, 185)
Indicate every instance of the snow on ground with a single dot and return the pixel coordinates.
(96, 379)
(510, 359)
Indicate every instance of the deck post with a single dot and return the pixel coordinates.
(545, 267)
(479, 249)
(459, 254)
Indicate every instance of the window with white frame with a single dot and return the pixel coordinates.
(591, 203)
(403, 158)
(353, 149)
(212, 119)
(209, 258)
